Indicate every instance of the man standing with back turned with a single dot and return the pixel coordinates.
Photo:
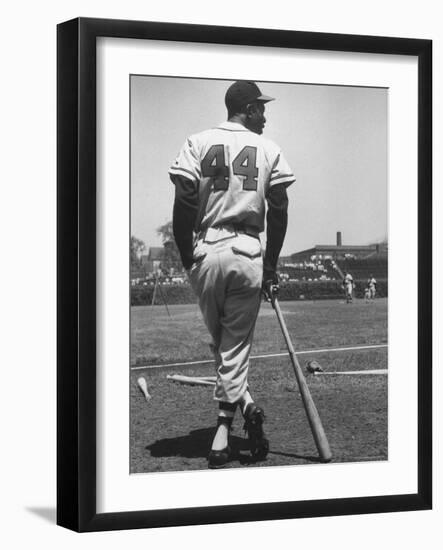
(223, 178)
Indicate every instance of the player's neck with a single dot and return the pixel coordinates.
(238, 119)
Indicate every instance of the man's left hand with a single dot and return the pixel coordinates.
(270, 286)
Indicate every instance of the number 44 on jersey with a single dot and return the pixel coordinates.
(214, 166)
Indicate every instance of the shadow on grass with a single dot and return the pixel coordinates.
(196, 444)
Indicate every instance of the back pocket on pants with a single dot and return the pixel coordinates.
(246, 253)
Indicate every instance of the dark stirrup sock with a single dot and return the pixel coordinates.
(226, 420)
(227, 407)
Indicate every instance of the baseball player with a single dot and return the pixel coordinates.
(372, 287)
(348, 285)
(223, 179)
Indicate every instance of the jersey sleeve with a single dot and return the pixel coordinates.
(281, 172)
(187, 163)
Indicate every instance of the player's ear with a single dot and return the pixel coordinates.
(250, 109)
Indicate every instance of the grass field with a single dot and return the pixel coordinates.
(174, 430)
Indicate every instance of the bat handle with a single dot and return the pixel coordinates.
(274, 301)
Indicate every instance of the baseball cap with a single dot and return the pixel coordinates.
(243, 92)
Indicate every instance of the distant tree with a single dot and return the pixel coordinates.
(137, 249)
(172, 255)
(165, 232)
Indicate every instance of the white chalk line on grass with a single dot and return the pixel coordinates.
(265, 356)
(368, 371)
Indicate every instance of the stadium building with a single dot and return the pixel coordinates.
(341, 252)
(151, 262)
(320, 261)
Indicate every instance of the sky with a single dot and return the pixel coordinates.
(334, 138)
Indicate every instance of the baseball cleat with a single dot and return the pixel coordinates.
(218, 459)
(254, 417)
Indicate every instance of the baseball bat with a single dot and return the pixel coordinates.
(317, 430)
(142, 384)
(192, 380)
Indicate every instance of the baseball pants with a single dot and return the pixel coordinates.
(348, 291)
(227, 277)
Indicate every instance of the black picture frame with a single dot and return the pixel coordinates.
(77, 249)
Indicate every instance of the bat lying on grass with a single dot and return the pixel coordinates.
(143, 386)
(192, 380)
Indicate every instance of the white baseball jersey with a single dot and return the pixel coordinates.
(233, 169)
(348, 283)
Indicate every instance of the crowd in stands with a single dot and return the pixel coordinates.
(360, 268)
(324, 268)
(318, 268)
(162, 276)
